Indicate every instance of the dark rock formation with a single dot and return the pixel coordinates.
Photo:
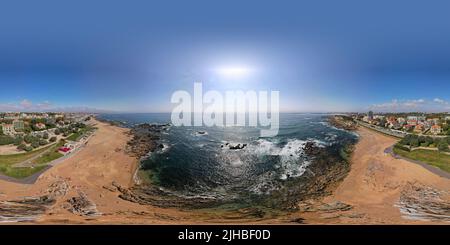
(145, 137)
(236, 147)
(147, 194)
(81, 205)
(323, 174)
(418, 201)
(30, 208)
(343, 122)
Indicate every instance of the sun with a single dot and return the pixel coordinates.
(234, 71)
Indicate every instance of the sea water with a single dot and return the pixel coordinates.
(197, 162)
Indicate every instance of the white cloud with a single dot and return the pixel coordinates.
(45, 106)
(26, 104)
(9, 107)
(441, 101)
(420, 105)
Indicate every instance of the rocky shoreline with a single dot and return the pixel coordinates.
(342, 122)
(28, 209)
(322, 175)
(145, 139)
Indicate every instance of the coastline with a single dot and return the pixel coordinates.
(381, 189)
(369, 194)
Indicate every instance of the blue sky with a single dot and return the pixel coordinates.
(131, 56)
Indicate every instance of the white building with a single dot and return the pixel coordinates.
(8, 129)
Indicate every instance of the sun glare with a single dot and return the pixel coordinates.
(233, 71)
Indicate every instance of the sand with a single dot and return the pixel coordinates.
(372, 187)
(8, 149)
(101, 162)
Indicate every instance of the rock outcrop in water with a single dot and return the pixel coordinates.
(343, 122)
(238, 146)
(145, 138)
(323, 174)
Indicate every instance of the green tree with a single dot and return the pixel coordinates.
(53, 139)
(429, 140)
(442, 145)
(35, 144)
(414, 142)
(18, 140)
(27, 138)
(6, 140)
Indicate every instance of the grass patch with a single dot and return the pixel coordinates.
(47, 157)
(434, 158)
(76, 136)
(16, 158)
(51, 155)
(7, 161)
(20, 173)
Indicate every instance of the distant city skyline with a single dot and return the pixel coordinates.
(346, 56)
(435, 105)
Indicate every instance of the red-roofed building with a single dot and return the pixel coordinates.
(65, 149)
(412, 122)
(436, 129)
(418, 129)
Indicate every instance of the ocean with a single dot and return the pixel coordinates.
(197, 162)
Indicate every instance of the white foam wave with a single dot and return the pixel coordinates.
(293, 161)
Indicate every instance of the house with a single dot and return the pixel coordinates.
(418, 129)
(18, 125)
(433, 121)
(416, 118)
(427, 124)
(64, 149)
(397, 126)
(408, 127)
(40, 126)
(8, 129)
(436, 129)
(401, 120)
(411, 122)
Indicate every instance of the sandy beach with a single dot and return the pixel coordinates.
(373, 187)
(376, 184)
(91, 172)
